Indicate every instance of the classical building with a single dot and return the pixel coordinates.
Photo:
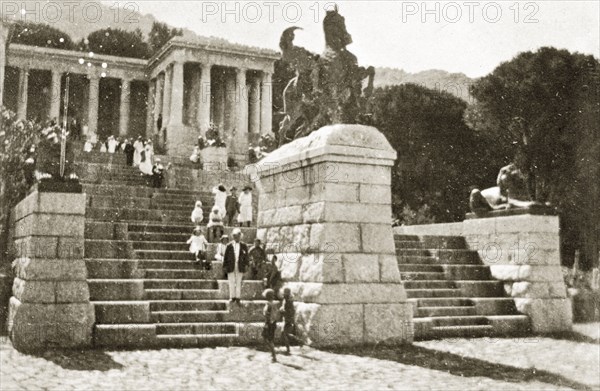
(186, 87)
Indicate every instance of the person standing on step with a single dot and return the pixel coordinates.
(159, 122)
(232, 207)
(129, 151)
(147, 159)
(158, 173)
(215, 225)
(112, 144)
(245, 200)
(257, 257)
(235, 263)
(138, 147)
(197, 213)
(220, 198)
(221, 247)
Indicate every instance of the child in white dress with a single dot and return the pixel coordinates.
(198, 245)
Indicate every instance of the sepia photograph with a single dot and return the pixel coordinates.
(299, 195)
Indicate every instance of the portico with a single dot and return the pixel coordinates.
(193, 85)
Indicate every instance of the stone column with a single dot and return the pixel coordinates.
(93, 105)
(242, 102)
(166, 104)
(230, 111)
(254, 106)
(159, 97)
(176, 112)
(50, 307)
(150, 108)
(23, 88)
(204, 99)
(219, 103)
(55, 95)
(4, 31)
(324, 209)
(266, 101)
(124, 107)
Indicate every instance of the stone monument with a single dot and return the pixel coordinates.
(324, 210)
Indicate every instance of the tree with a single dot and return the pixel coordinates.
(546, 105)
(33, 34)
(160, 34)
(437, 153)
(117, 42)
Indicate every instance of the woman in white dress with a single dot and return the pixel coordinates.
(245, 200)
(138, 145)
(112, 144)
(146, 164)
(220, 198)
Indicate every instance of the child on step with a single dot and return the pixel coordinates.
(198, 245)
(197, 213)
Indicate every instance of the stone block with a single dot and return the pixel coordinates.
(296, 195)
(72, 292)
(289, 215)
(361, 267)
(377, 238)
(34, 291)
(320, 268)
(355, 212)
(35, 269)
(70, 248)
(99, 230)
(333, 192)
(122, 312)
(39, 224)
(366, 293)
(313, 213)
(388, 323)
(526, 273)
(375, 194)
(37, 327)
(331, 325)
(36, 246)
(388, 268)
(342, 236)
(289, 265)
(526, 289)
(62, 203)
(301, 237)
(547, 315)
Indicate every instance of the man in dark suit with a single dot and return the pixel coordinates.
(235, 263)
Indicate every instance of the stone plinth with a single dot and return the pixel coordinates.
(50, 306)
(523, 250)
(324, 210)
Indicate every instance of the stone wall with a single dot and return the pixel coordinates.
(50, 305)
(522, 250)
(324, 210)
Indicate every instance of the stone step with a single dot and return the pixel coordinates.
(114, 269)
(95, 201)
(149, 228)
(251, 290)
(164, 254)
(222, 328)
(166, 246)
(188, 305)
(430, 284)
(122, 312)
(444, 311)
(418, 293)
(419, 276)
(128, 214)
(251, 312)
(198, 273)
(471, 331)
(408, 244)
(180, 284)
(435, 242)
(482, 305)
(160, 237)
(445, 256)
(451, 272)
(440, 321)
(98, 157)
(158, 265)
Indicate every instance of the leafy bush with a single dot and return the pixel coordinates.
(410, 216)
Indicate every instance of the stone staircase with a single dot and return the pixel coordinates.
(146, 290)
(453, 294)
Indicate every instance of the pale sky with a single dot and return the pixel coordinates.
(472, 37)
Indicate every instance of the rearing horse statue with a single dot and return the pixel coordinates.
(322, 90)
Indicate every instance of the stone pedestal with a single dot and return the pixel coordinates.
(324, 210)
(50, 306)
(523, 250)
(214, 159)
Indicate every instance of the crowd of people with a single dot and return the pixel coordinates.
(241, 262)
(139, 153)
